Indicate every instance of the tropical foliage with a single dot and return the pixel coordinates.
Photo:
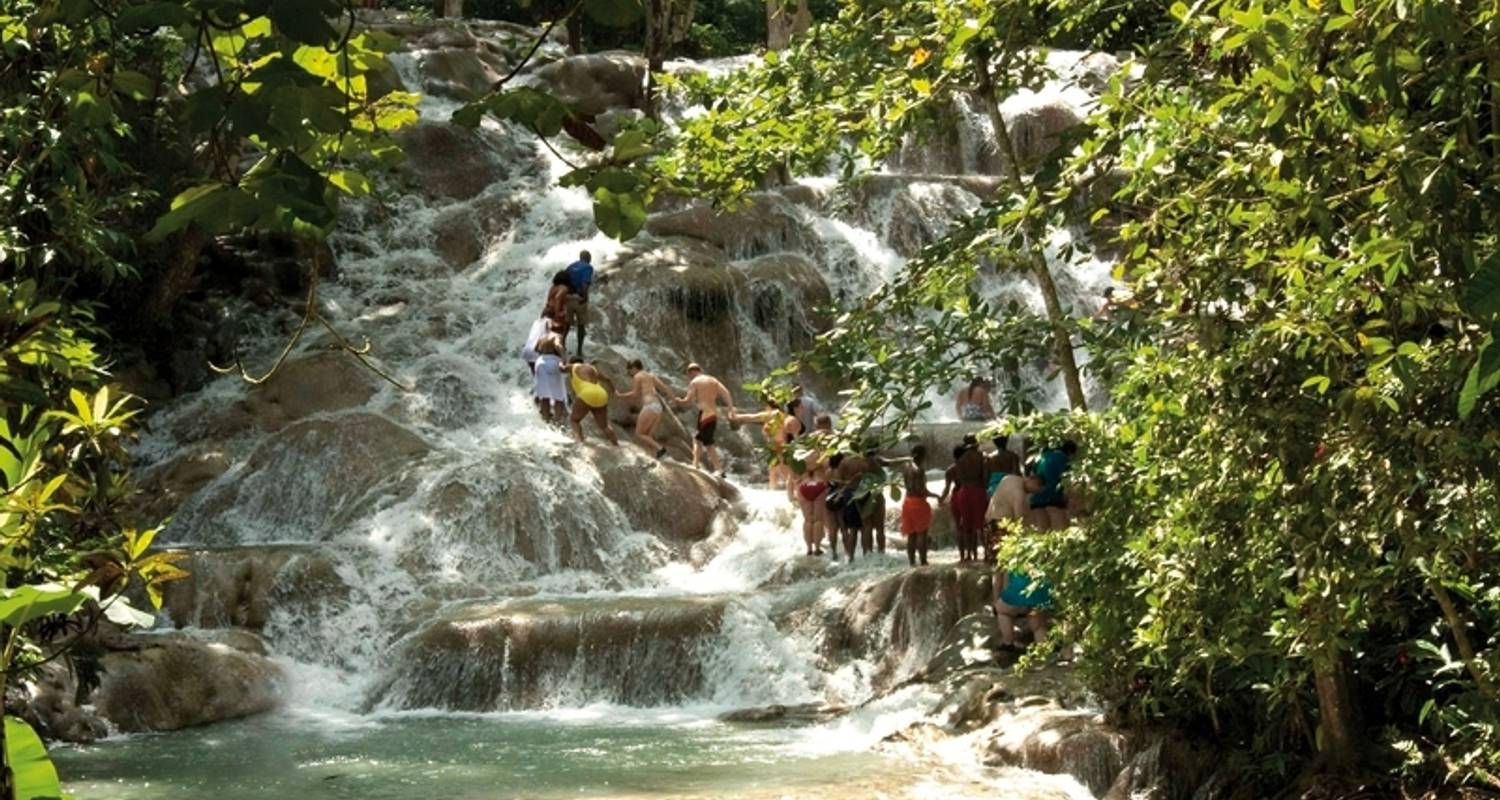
(99, 102)
(1292, 543)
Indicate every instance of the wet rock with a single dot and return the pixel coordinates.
(1094, 71)
(305, 482)
(769, 223)
(458, 237)
(593, 83)
(532, 653)
(462, 71)
(1078, 744)
(805, 713)
(167, 485)
(239, 587)
(675, 502)
(308, 385)
(911, 212)
(1038, 130)
(449, 161)
(176, 681)
(1168, 767)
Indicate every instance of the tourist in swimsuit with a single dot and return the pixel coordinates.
(973, 402)
(780, 427)
(591, 391)
(916, 510)
(705, 393)
(550, 392)
(649, 390)
(556, 309)
(811, 491)
(966, 480)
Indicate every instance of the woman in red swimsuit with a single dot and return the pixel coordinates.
(811, 489)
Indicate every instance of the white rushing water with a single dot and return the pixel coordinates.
(450, 510)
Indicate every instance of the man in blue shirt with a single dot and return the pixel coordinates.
(580, 278)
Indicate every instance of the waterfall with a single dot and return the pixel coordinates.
(441, 548)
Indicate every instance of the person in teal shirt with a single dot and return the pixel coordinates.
(1054, 462)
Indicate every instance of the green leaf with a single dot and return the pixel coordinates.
(151, 16)
(619, 215)
(1483, 377)
(1482, 297)
(613, 13)
(303, 21)
(35, 776)
(23, 604)
(134, 85)
(350, 182)
(215, 206)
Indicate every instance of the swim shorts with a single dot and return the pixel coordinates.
(707, 425)
(916, 515)
(969, 504)
(1022, 592)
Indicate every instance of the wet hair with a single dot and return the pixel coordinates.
(835, 460)
(1070, 447)
(823, 421)
(1001, 441)
(791, 408)
(561, 279)
(634, 363)
(585, 256)
(575, 360)
(970, 441)
(918, 452)
(978, 381)
(959, 450)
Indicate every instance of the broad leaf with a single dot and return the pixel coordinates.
(35, 776)
(23, 604)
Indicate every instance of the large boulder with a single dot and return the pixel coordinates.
(304, 483)
(450, 161)
(768, 223)
(1036, 130)
(592, 83)
(534, 653)
(308, 385)
(176, 681)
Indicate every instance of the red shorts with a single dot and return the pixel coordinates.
(969, 504)
(916, 515)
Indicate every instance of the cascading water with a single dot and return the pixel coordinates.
(436, 563)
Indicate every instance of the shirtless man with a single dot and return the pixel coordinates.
(843, 505)
(966, 480)
(1003, 462)
(648, 390)
(591, 392)
(705, 392)
(916, 511)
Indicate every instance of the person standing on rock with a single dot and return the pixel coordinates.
(649, 390)
(966, 481)
(705, 392)
(580, 279)
(809, 482)
(1003, 462)
(551, 395)
(591, 390)
(916, 510)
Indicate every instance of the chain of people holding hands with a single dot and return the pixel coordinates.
(842, 496)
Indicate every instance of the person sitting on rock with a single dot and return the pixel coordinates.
(551, 395)
(591, 389)
(705, 392)
(916, 510)
(649, 390)
(973, 402)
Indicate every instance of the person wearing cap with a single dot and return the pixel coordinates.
(705, 392)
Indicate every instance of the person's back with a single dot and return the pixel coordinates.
(968, 470)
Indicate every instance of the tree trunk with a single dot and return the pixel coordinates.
(575, 32)
(448, 8)
(1035, 234)
(1339, 745)
(784, 21)
(654, 49)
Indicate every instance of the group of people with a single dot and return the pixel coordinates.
(578, 389)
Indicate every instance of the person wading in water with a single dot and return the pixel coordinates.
(705, 393)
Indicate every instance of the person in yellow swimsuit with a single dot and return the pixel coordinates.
(591, 397)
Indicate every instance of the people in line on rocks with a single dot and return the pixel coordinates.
(965, 480)
(648, 390)
(781, 427)
(916, 506)
(973, 401)
(591, 388)
(705, 393)
(547, 375)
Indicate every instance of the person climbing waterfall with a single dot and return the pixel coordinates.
(916, 510)
(705, 392)
(555, 310)
(592, 390)
(781, 427)
(649, 390)
(551, 395)
(528, 348)
(580, 280)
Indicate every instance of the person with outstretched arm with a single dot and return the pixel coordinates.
(705, 392)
